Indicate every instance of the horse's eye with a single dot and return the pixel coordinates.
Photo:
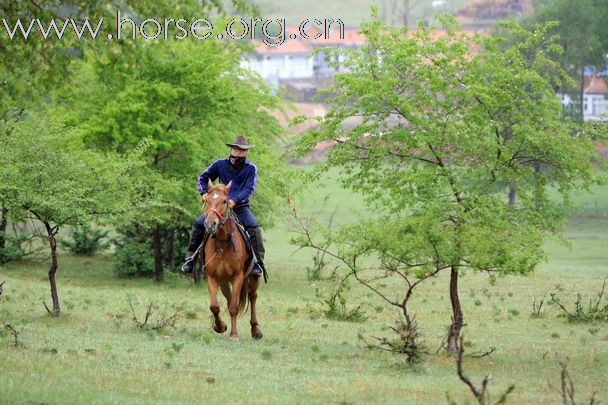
(224, 202)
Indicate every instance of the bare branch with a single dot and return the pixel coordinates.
(14, 332)
(146, 317)
(53, 313)
(481, 394)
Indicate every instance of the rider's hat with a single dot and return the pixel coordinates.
(240, 142)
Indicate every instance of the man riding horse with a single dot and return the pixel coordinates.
(243, 174)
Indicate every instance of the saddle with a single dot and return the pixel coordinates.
(244, 234)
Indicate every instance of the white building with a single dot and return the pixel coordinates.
(594, 98)
(595, 104)
(289, 60)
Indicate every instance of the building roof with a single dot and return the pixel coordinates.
(289, 47)
(352, 36)
(596, 85)
(296, 44)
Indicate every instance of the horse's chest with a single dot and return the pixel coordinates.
(223, 270)
(223, 265)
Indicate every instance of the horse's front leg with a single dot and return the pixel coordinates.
(237, 284)
(225, 287)
(254, 282)
(219, 325)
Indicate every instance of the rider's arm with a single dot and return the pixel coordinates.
(210, 174)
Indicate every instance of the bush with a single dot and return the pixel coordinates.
(14, 247)
(86, 241)
(135, 252)
(335, 305)
(593, 311)
(174, 255)
(408, 341)
(133, 255)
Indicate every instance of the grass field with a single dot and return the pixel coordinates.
(94, 353)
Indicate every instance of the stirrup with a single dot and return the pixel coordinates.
(188, 265)
(257, 270)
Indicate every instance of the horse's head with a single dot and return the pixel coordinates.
(217, 206)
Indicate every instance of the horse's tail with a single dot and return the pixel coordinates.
(244, 298)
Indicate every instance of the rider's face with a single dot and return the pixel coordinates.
(238, 152)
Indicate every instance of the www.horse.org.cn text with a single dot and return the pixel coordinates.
(271, 31)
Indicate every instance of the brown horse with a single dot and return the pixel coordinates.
(227, 263)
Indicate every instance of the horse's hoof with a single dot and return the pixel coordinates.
(257, 335)
(234, 338)
(221, 328)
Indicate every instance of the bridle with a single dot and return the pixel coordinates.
(223, 219)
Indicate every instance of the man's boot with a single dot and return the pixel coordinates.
(257, 243)
(196, 238)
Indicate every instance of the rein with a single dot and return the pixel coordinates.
(222, 222)
(219, 214)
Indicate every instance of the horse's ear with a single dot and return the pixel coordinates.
(209, 184)
(228, 186)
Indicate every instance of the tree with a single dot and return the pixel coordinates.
(28, 68)
(442, 121)
(40, 71)
(582, 35)
(187, 99)
(45, 174)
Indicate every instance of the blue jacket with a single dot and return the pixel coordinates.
(243, 180)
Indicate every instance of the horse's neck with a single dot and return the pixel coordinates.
(223, 232)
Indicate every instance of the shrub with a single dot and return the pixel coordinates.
(86, 241)
(133, 255)
(593, 311)
(15, 247)
(335, 305)
(407, 342)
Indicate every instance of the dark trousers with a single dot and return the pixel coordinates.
(251, 226)
(244, 215)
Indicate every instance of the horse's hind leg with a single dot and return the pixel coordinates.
(254, 282)
(219, 325)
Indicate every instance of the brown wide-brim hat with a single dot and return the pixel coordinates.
(240, 142)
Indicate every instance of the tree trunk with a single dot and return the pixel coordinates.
(3, 225)
(198, 269)
(582, 95)
(53, 244)
(511, 197)
(170, 246)
(456, 313)
(158, 255)
(406, 12)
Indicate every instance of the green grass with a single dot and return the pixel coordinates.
(93, 353)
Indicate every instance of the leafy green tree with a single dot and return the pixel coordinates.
(582, 36)
(47, 175)
(187, 99)
(35, 71)
(28, 69)
(441, 122)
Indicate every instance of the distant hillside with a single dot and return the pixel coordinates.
(353, 12)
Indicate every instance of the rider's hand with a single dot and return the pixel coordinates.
(204, 197)
(231, 203)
